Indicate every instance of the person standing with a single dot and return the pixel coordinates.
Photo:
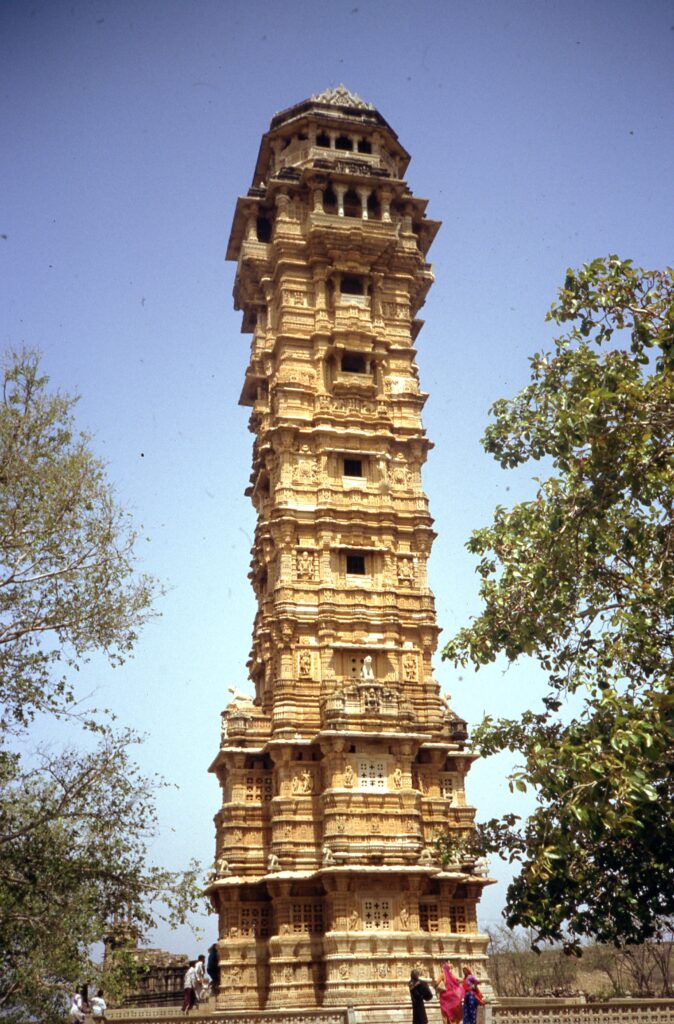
(77, 1009)
(201, 985)
(450, 994)
(472, 997)
(420, 993)
(189, 986)
(213, 967)
(98, 1007)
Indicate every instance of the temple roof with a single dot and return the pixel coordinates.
(341, 97)
(333, 103)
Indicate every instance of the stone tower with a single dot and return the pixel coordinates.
(339, 772)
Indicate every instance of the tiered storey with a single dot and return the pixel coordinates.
(338, 775)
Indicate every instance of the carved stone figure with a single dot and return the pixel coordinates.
(367, 671)
(482, 867)
(397, 778)
(273, 863)
(238, 697)
(426, 856)
(305, 664)
(404, 917)
(305, 565)
(328, 857)
(349, 776)
(410, 668)
(222, 866)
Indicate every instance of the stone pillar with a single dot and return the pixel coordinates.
(363, 195)
(340, 191)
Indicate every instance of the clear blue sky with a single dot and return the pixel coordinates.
(542, 135)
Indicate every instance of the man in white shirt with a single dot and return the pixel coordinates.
(189, 985)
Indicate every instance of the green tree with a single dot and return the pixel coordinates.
(74, 827)
(581, 578)
(67, 580)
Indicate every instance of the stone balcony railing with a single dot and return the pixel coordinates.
(367, 705)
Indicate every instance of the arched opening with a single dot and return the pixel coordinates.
(343, 142)
(353, 362)
(364, 146)
(329, 201)
(373, 208)
(352, 207)
(352, 285)
(263, 229)
(323, 140)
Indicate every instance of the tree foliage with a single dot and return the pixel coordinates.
(75, 826)
(581, 578)
(67, 581)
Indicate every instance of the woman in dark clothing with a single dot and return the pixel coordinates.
(420, 992)
(213, 967)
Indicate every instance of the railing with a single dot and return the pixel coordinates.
(559, 1011)
(153, 1015)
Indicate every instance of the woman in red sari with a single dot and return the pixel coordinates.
(450, 994)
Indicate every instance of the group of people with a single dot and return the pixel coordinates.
(79, 1007)
(201, 978)
(459, 1000)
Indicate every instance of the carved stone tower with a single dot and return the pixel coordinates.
(337, 775)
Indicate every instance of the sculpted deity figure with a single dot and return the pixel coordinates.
(328, 856)
(404, 917)
(349, 777)
(273, 863)
(367, 672)
(353, 919)
(305, 565)
(397, 778)
(305, 664)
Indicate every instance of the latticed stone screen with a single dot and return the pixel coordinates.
(377, 914)
(462, 918)
(447, 789)
(428, 916)
(254, 920)
(308, 917)
(258, 788)
(372, 775)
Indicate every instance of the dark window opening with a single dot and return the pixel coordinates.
(302, 137)
(364, 146)
(352, 207)
(352, 285)
(323, 140)
(372, 207)
(343, 142)
(353, 467)
(355, 565)
(329, 201)
(263, 229)
(353, 362)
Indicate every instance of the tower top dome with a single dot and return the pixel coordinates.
(341, 97)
